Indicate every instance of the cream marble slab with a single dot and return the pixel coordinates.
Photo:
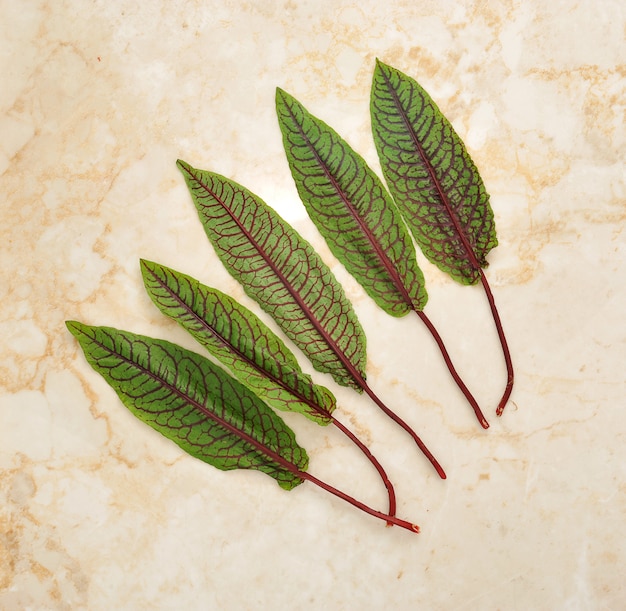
(98, 100)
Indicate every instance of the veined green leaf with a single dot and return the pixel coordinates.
(194, 403)
(352, 209)
(282, 272)
(436, 186)
(240, 340)
(431, 176)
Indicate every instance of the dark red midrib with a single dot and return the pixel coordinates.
(380, 253)
(350, 368)
(431, 172)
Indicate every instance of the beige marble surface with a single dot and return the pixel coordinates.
(99, 99)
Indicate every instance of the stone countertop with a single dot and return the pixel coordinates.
(97, 511)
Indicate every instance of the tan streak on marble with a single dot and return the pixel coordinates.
(99, 512)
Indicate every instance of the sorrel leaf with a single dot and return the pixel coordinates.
(189, 400)
(281, 271)
(352, 209)
(431, 176)
(240, 340)
(207, 413)
(436, 186)
(288, 279)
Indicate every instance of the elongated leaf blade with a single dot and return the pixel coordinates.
(352, 209)
(431, 176)
(282, 272)
(240, 340)
(192, 402)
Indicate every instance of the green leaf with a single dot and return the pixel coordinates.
(194, 403)
(352, 209)
(431, 176)
(239, 340)
(202, 409)
(282, 272)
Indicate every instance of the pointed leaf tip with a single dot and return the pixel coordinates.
(183, 165)
(146, 266)
(283, 98)
(76, 328)
(381, 65)
(72, 326)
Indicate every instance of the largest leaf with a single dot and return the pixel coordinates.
(282, 272)
(193, 402)
(431, 176)
(201, 408)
